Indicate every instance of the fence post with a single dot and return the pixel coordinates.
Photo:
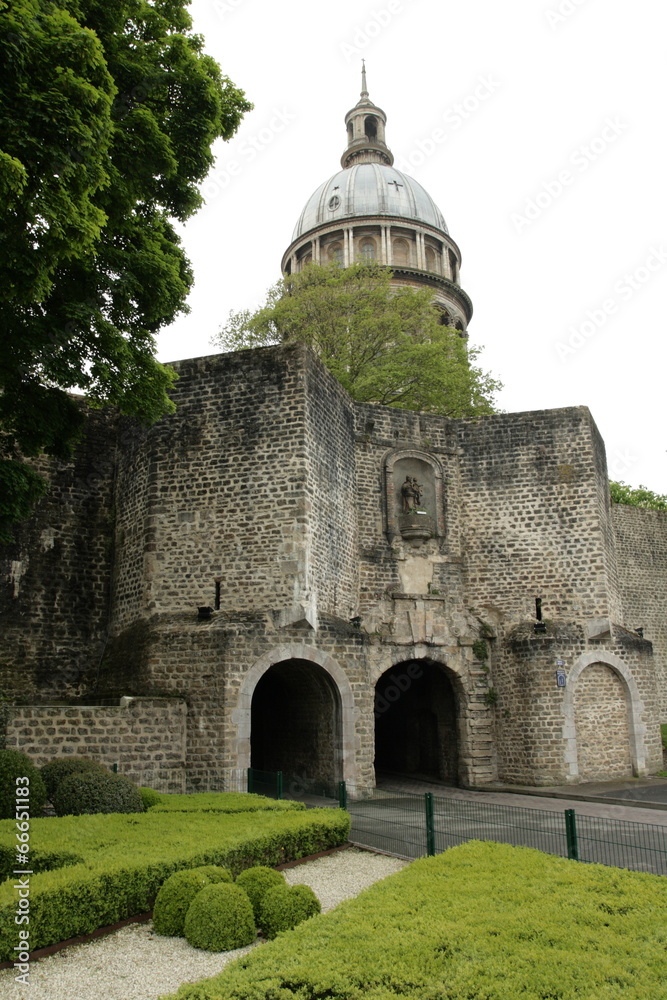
(571, 835)
(279, 784)
(430, 827)
(342, 795)
(250, 781)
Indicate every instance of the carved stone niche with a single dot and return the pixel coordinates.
(414, 499)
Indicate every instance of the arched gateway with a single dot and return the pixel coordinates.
(295, 714)
(416, 727)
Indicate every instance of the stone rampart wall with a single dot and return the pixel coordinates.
(144, 737)
(641, 549)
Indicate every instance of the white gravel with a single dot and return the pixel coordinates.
(135, 964)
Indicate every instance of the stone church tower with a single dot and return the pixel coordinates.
(280, 577)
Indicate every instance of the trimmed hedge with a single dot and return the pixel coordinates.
(126, 858)
(150, 797)
(224, 802)
(13, 765)
(285, 906)
(60, 768)
(256, 882)
(220, 918)
(482, 920)
(176, 895)
(95, 792)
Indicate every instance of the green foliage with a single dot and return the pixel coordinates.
(663, 733)
(256, 882)
(61, 767)
(285, 906)
(225, 802)
(108, 112)
(40, 861)
(384, 344)
(176, 894)
(484, 921)
(637, 496)
(150, 797)
(220, 918)
(96, 792)
(13, 765)
(126, 858)
(480, 650)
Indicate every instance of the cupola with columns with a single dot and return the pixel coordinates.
(370, 211)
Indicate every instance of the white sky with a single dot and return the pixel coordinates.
(517, 94)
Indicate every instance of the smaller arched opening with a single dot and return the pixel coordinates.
(401, 252)
(296, 723)
(335, 253)
(416, 727)
(367, 250)
(371, 127)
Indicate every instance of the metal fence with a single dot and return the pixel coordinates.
(412, 825)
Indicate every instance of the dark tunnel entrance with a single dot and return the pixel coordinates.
(296, 725)
(416, 723)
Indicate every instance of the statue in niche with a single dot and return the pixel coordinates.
(411, 492)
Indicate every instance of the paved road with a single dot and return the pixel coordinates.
(394, 821)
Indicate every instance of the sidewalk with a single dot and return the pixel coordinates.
(639, 800)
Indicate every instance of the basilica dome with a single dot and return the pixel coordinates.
(371, 212)
(369, 189)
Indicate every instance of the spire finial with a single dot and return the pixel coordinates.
(364, 88)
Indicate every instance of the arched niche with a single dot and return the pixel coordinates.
(634, 708)
(427, 470)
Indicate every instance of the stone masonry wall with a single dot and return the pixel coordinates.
(238, 487)
(641, 547)
(54, 579)
(144, 737)
(529, 712)
(531, 519)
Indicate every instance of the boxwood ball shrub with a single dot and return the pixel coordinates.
(61, 767)
(284, 906)
(13, 765)
(92, 792)
(256, 882)
(220, 918)
(177, 893)
(150, 797)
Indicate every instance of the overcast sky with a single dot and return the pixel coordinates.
(538, 128)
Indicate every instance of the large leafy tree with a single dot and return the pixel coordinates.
(384, 343)
(637, 496)
(108, 110)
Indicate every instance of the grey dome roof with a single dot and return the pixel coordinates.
(368, 189)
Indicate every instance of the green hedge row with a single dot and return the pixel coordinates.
(126, 858)
(484, 921)
(224, 802)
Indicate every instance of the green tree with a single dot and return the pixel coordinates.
(108, 111)
(638, 496)
(384, 344)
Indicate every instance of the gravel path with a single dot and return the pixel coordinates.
(135, 964)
